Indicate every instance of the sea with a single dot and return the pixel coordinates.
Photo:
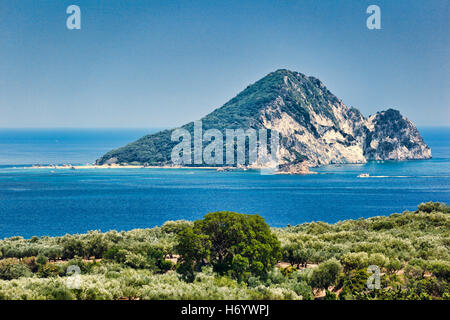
(55, 202)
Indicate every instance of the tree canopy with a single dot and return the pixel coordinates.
(236, 244)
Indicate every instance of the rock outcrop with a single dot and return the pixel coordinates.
(316, 128)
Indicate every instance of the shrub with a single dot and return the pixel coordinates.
(330, 295)
(134, 260)
(393, 265)
(116, 254)
(56, 291)
(441, 269)
(96, 245)
(433, 206)
(377, 259)
(49, 270)
(326, 274)
(301, 288)
(73, 247)
(355, 285)
(11, 268)
(41, 260)
(175, 226)
(165, 265)
(31, 263)
(355, 260)
(287, 271)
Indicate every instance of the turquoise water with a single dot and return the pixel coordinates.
(56, 202)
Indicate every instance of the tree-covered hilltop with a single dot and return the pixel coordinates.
(232, 256)
(316, 128)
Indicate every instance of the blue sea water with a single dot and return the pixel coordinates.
(56, 202)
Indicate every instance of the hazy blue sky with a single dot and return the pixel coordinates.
(163, 63)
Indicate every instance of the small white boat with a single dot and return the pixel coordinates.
(363, 175)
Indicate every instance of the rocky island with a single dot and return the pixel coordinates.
(315, 127)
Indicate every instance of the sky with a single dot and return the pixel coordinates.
(141, 63)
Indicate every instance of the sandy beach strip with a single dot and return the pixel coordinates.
(112, 166)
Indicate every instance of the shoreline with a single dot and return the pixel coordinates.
(116, 166)
(112, 166)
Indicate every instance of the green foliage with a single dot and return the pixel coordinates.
(296, 254)
(49, 270)
(31, 263)
(355, 285)
(302, 289)
(330, 295)
(41, 260)
(12, 268)
(136, 261)
(96, 245)
(175, 226)
(355, 260)
(439, 268)
(233, 243)
(240, 267)
(73, 247)
(326, 274)
(58, 292)
(377, 259)
(393, 265)
(433, 207)
(116, 254)
(411, 249)
(288, 271)
(194, 250)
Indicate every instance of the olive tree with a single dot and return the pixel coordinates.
(326, 274)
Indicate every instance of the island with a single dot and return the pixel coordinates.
(315, 128)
